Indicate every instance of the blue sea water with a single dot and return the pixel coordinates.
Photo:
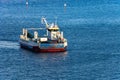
(92, 28)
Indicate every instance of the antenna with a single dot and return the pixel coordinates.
(42, 20)
(55, 20)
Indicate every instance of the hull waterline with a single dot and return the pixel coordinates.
(42, 50)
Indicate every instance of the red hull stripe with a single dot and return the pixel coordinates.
(37, 49)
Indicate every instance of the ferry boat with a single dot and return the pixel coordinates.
(52, 41)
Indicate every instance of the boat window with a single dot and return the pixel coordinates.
(29, 35)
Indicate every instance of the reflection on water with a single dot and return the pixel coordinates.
(45, 56)
(53, 56)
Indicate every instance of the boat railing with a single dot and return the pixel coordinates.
(35, 28)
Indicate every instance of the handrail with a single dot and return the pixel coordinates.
(35, 28)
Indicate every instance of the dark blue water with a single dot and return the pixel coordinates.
(92, 28)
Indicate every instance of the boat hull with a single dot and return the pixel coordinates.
(47, 48)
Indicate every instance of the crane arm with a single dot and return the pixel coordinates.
(43, 20)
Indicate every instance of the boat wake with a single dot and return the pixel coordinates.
(9, 44)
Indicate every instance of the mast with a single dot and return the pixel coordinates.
(55, 20)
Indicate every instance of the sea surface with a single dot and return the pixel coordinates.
(92, 28)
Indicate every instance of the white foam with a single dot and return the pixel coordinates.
(9, 44)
